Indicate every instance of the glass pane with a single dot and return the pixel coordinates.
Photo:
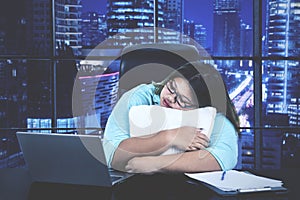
(25, 102)
(66, 71)
(238, 76)
(246, 151)
(25, 29)
(24, 91)
(280, 149)
(95, 93)
(10, 153)
(290, 152)
(272, 148)
(39, 111)
(281, 36)
(281, 97)
(224, 28)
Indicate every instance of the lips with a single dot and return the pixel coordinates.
(166, 104)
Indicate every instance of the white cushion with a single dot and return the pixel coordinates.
(149, 119)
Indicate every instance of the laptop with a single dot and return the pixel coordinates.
(68, 159)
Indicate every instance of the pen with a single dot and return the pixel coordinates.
(223, 175)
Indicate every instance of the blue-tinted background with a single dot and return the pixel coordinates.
(40, 65)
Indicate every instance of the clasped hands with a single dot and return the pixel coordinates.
(184, 138)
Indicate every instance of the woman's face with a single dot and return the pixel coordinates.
(178, 94)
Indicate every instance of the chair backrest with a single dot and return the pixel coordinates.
(145, 63)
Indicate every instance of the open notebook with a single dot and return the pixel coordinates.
(149, 119)
(234, 182)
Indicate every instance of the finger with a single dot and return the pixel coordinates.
(202, 136)
(197, 147)
(201, 140)
(205, 143)
(200, 144)
(192, 148)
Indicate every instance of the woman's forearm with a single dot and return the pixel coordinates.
(194, 161)
(140, 146)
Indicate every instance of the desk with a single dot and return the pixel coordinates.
(15, 184)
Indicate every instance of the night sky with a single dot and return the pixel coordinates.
(200, 11)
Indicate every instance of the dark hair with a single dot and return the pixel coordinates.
(208, 87)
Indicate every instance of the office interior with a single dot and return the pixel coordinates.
(45, 45)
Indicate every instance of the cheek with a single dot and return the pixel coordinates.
(163, 92)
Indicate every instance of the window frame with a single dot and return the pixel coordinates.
(257, 60)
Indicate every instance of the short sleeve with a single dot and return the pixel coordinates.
(117, 127)
(224, 143)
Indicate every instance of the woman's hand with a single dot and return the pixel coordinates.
(188, 138)
(145, 165)
(200, 141)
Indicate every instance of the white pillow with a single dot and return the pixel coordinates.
(149, 119)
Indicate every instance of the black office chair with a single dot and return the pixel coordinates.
(145, 63)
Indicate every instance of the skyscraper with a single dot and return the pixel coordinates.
(173, 19)
(40, 31)
(200, 35)
(283, 39)
(67, 25)
(126, 17)
(226, 31)
(246, 40)
(283, 28)
(173, 15)
(93, 29)
(68, 20)
(189, 28)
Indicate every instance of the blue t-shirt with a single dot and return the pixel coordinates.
(223, 140)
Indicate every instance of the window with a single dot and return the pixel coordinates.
(45, 53)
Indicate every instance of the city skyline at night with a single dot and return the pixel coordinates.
(37, 81)
(194, 10)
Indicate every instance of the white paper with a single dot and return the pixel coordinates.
(235, 180)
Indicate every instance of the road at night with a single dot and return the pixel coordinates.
(242, 93)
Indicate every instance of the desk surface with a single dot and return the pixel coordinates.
(15, 184)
